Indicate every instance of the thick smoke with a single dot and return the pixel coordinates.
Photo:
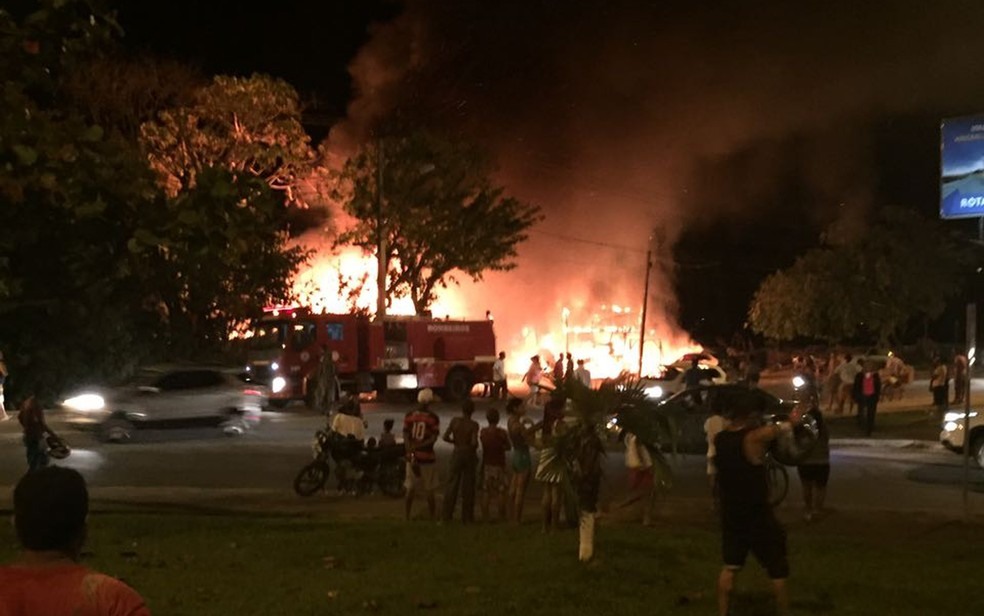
(601, 112)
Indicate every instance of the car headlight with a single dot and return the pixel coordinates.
(85, 403)
(957, 416)
(951, 426)
(798, 381)
(654, 392)
(278, 384)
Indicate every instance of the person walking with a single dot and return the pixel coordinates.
(31, 418)
(713, 426)
(500, 391)
(549, 467)
(421, 428)
(845, 374)
(748, 523)
(867, 391)
(939, 385)
(495, 444)
(960, 374)
(642, 480)
(522, 432)
(532, 378)
(462, 432)
(558, 370)
(582, 374)
(814, 470)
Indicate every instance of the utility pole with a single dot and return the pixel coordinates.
(645, 304)
(382, 251)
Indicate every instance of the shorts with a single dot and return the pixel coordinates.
(815, 473)
(494, 481)
(764, 538)
(427, 481)
(641, 478)
(521, 461)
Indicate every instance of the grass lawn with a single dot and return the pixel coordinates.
(225, 565)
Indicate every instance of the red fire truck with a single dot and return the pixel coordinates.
(396, 353)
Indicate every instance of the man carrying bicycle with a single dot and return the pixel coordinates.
(747, 521)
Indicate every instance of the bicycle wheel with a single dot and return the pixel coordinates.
(778, 479)
(311, 478)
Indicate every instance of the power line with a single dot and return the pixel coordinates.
(568, 238)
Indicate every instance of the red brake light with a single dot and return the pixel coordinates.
(252, 392)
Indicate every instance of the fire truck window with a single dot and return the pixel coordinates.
(268, 334)
(336, 332)
(302, 335)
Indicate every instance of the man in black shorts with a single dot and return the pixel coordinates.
(747, 521)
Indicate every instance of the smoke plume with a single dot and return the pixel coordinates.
(602, 112)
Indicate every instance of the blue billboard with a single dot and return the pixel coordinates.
(962, 168)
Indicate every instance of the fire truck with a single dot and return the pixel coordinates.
(395, 353)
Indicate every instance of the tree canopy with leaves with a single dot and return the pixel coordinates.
(439, 212)
(99, 271)
(904, 267)
(249, 125)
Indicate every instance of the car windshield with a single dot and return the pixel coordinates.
(268, 334)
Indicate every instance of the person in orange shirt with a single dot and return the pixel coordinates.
(50, 509)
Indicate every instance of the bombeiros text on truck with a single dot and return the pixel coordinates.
(401, 353)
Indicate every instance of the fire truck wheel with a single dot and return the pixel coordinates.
(458, 385)
(116, 430)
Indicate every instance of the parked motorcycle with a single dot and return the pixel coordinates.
(365, 467)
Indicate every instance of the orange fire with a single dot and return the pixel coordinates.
(606, 336)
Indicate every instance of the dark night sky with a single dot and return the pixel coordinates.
(740, 130)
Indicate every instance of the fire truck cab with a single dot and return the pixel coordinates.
(396, 353)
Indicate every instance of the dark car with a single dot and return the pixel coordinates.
(692, 407)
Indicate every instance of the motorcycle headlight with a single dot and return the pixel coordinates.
(278, 384)
(85, 403)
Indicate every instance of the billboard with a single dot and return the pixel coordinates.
(962, 167)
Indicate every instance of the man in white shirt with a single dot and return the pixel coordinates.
(846, 373)
(582, 374)
(499, 389)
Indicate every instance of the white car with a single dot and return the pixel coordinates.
(672, 380)
(954, 431)
(175, 396)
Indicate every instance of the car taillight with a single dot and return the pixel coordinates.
(252, 392)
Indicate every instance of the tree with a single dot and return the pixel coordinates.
(122, 94)
(904, 267)
(71, 195)
(439, 213)
(575, 454)
(249, 125)
(99, 272)
(219, 253)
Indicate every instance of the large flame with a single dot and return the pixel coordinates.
(605, 336)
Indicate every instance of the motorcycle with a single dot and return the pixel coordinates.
(365, 467)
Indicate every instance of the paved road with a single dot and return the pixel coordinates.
(180, 463)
